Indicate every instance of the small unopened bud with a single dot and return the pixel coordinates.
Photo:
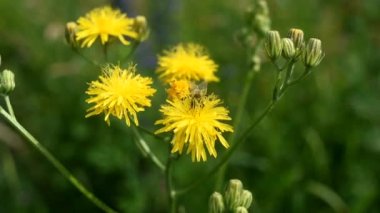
(7, 82)
(255, 63)
(297, 37)
(241, 209)
(216, 204)
(140, 26)
(312, 55)
(288, 50)
(262, 7)
(70, 34)
(233, 194)
(273, 44)
(246, 199)
(261, 24)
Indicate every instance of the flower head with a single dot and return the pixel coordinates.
(186, 61)
(104, 22)
(119, 92)
(179, 89)
(196, 122)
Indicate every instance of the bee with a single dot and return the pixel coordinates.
(197, 91)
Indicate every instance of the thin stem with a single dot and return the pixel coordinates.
(241, 106)
(131, 51)
(58, 165)
(144, 147)
(9, 107)
(95, 63)
(142, 129)
(229, 153)
(172, 194)
(105, 52)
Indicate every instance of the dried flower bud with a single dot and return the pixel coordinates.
(246, 199)
(297, 37)
(241, 209)
(140, 26)
(7, 82)
(216, 204)
(312, 55)
(273, 44)
(288, 50)
(233, 194)
(70, 33)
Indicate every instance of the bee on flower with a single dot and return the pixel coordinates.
(196, 120)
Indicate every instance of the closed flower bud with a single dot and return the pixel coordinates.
(241, 209)
(70, 33)
(233, 194)
(7, 82)
(296, 35)
(216, 204)
(288, 50)
(312, 55)
(140, 26)
(273, 45)
(246, 199)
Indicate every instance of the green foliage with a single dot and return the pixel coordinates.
(318, 150)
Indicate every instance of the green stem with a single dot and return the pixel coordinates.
(172, 194)
(142, 129)
(241, 106)
(9, 107)
(229, 153)
(131, 51)
(144, 147)
(95, 63)
(58, 165)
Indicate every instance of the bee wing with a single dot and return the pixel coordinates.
(203, 87)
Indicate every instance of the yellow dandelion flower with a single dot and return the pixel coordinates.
(104, 22)
(195, 122)
(187, 61)
(179, 89)
(119, 92)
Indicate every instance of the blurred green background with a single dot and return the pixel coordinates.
(318, 151)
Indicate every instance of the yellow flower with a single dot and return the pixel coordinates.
(178, 89)
(104, 22)
(119, 92)
(188, 61)
(196, 122)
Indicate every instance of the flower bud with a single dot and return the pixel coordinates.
(273, 44)
(246, 199)
(241, 209)
(288, 50)
(140, 26)
(312, 55)
(233, 194)
(7, 82)
(70, 33)
(296, 35)
(216, 204)
(261, 24)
